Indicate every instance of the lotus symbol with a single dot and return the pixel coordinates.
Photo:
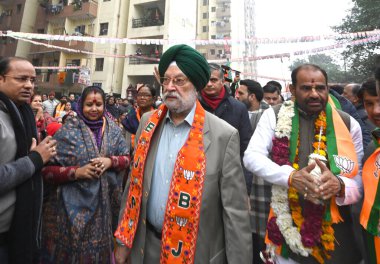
(130, 223)
(181, 221)
(377, 164)
(345, 164)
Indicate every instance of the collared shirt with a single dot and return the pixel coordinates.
(171, 141)
(257, 160)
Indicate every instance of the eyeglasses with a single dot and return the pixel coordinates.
(22, 79)
(180, 81)
(144, 95)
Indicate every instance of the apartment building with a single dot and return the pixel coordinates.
(16, 15)
(154, 24)
(149, 19)
(222, 19)
(95, 18)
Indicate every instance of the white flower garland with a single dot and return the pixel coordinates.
(280, 202)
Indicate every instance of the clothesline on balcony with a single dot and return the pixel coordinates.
(222, 61)
(256, 40)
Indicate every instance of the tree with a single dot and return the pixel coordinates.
(362, 59)
(334, 71)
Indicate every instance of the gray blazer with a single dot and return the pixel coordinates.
(224, 234)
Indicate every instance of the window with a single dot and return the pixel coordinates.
(80, 30)
(213, 37)
(220, 51)
(41, 31)
(96, 83)
(103, 29)
(205, 2)
(205, 29)
(205, 15)
(19, 7)
(99, 64)
(213, 9)
(212, 51)
(75, 62)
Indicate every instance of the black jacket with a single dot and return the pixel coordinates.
(234, 113)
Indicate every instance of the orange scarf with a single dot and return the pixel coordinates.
(138, 116)
(59, 109)
(180, 228)
(370, 214)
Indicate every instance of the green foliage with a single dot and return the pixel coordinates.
(334, 71)
(361, 60)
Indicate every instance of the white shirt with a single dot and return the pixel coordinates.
(256, 158)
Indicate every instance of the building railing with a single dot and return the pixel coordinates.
(144, 59)
(146, 22)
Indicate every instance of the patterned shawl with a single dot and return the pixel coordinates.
(76, 146)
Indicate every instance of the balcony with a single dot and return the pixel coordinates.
(144, 59)
(146, 22)
(78, 45)
(223, 12)
(85, 9)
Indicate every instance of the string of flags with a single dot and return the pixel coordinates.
(255, 40)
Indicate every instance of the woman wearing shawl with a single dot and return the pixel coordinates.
(85, 186)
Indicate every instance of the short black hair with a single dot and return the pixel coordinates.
(305, 67)
(152, 90)
(269, 88)
(6, 61)
(275, 83)
(253, 88)
(90, 89)
(369, 87)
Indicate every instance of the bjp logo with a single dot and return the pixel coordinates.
(345, 164)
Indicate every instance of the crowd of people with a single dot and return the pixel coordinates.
(207, 174)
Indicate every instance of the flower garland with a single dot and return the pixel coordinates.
(311, 233)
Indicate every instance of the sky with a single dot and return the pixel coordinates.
(292, 18)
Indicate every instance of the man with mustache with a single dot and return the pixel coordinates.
(185, 200)
(21, 161)
(309, 209)
(215, 99)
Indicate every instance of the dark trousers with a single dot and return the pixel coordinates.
(258, 246)
(4, 254)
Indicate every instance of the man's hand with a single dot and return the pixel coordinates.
(121, 254)
(156, 74)
(329, 183)
(305, 184)
(47, 148)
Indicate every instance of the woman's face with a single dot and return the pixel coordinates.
(67, 106)
(36, 102)
(93, 106)
(144, 97)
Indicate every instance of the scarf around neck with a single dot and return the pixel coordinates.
(215, 101)
(180, 228)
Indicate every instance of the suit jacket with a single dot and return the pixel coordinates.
(224, 229)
